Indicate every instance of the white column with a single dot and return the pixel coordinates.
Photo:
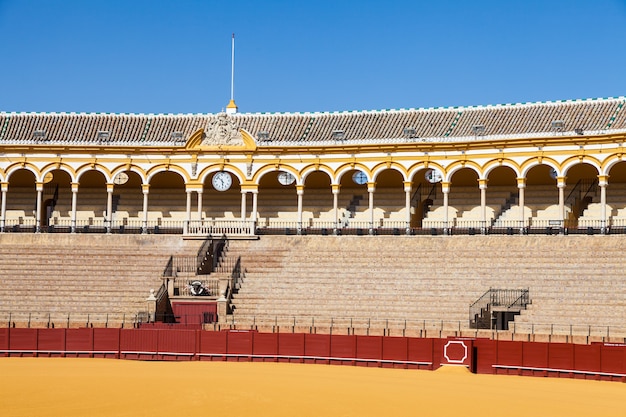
(3, 210)
(187, 212)
(39, 187)
(255, 204)
(199, 192)
(603, 182)
(445, 189)
(482, 184)
(146, 190)
(300, 194)
(109, 206)
(335, 191)
(74, 205)
(243, 205)
(521, 186)
(371, 187)
(407, 205)
(561, 186)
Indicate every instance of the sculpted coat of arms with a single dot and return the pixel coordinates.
(222, 131)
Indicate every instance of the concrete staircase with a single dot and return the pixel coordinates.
(48, 276)
(572, 279)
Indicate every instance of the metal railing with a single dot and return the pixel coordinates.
(207, 287)
(497, 297)
(333, 325)
(220, 227)
(315, 227)
(416, 327)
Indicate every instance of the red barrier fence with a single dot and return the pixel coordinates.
(596, 361)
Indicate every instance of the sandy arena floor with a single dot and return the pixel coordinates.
(107, 387)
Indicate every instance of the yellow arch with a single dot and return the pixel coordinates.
(459, 165)
(610, 162)
(536, 161)
(274, 168)
(166, 168)
(219, 167)
(575, 160)
(383, 166)
(59, 166)
(133, 168)
(93, 167)
(339, 172)
(418, 166)
(17, 166)
(497, 163)
(309, 169)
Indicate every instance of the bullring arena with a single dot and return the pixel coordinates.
(490, 238)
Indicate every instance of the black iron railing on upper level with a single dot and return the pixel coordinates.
(502, 298)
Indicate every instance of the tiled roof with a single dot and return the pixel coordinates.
(592, 116)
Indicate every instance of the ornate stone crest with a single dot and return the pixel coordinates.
(222, 131)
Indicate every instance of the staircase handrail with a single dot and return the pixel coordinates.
(236, 279)
(479, 304)
(204, 255)
(219, 250)
(523, 300)
(416, 195)
(499, 297)
(169, 268)
(588, 185)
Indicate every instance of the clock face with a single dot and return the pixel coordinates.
(222, 181)
(121, 178)
(433, 176)
(286, 178)
(359, 177)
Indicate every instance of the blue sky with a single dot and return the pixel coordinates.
(137, 56)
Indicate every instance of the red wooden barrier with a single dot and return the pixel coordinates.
(317, 348)
(598, 360)
(23, 341)
(613, 360)
(456, 352)
(290, 347)
(265, 346)
(510, 357)
(213, 345)
(176, 344)
(239, 345)
(4, 342)
(587, 358)
(106, 343)
(421, 353)
(51, 341)
(195, 313)
(486, 354)
(394, 350)
(369, 347)
(79, 342)
(536, 358)
(342, 346)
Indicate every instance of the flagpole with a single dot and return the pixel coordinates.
(232, 70)
(232, 107)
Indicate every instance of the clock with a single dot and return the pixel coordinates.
(359, 177)
(433, 176)
(286, 178)
(222, 181)
(121, 178)
(48, 177)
